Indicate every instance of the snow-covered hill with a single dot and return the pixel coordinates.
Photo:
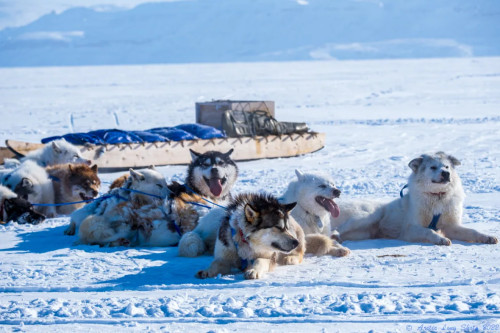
(377, 116)
(254, 30)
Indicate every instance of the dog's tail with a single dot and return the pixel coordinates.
(191, 245)
(320, 245)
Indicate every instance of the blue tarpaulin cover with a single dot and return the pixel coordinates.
(160, 134)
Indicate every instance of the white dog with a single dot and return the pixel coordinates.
(31, 182)
(55, 152)
(315, 194)
(430, 212)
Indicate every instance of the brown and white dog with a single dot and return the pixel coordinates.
(72, 183)
(256, 233)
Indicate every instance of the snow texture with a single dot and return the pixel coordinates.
(377, 115)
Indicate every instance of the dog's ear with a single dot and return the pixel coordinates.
(194, 155)
(289, 207)
(94, 168)
(228, 153)
(415, 163)
(56, 148)
(71, 168)
(251, 214)
(454, 161)
(299, 174)
(136, 175)
(26, 183)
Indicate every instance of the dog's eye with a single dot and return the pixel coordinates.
(446, 167)
(433, 168)
(322, 186)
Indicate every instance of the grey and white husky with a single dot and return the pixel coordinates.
(430, 212)
(210, 175)
(256, 233)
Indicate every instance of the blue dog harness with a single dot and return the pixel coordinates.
(244, 262)
(435, 218)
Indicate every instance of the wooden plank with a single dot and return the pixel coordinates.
(210, 113)
(120, 156)
(5, 153)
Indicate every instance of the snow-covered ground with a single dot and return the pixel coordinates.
(377, 115)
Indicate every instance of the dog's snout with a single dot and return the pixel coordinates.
(336, 193)
(214, 172)
(445, 175)
(88, 162)
(94, 193)
(295, 243)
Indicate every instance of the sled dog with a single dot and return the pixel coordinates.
(212, 176)
(55, 152)
(31, 182)
(95, 220)
(430, 212)
(315, 196)
(13, 208)
(256, 233)
(72, 183)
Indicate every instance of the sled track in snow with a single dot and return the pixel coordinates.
(405, 121)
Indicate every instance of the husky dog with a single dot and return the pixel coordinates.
(13, 208)
(256, 233)
(55, 152)
(211, 175)
(431, 212)
(73, 182)
(315, 196)
(110, 221)
(31, 182)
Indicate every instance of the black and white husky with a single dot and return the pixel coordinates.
(210, 175)
(14, 208)
(256, 233)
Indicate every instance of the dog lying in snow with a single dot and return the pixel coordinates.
(14, 208)
(431, 212)
(256, 233)
(72, 183)
(147, 180)
(210, 175)
(55, 152)
(31, 182)
(314, 195)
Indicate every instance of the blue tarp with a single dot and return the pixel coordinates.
(160, 134)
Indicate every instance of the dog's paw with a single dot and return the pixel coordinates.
(71, 230)
(339, 251)
(444, 241)
(291, 260)
(252, 274)
(489, 240)
(202, 274)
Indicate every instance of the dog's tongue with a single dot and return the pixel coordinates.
(331, 206)
(215, 186)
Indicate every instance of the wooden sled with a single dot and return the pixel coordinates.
(115, 157)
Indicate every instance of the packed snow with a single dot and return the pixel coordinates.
(377, 115)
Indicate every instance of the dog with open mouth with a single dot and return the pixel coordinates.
(72, 183)
(14, 208)
(210, 175)
(256, 233)
(315, 195)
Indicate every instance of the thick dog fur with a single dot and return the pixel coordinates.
(219, 170)
(73, 183)
(31, 182)
(315, 196)
(434, 187)
(13, 208)
(259, 230)
(107, 221)
(55, 152)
